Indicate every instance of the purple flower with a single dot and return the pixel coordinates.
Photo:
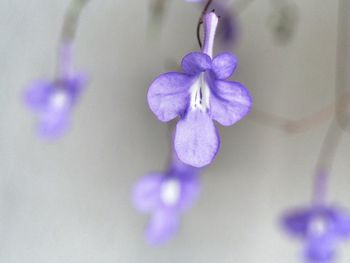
(166, 196)
(53, 101)
(198, 96)
(321, 227)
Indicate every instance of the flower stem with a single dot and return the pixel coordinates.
(200, 22)
(71, 20)
(68, 32)
(210, 21)
(334, 133)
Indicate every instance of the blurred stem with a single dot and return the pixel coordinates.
(303, 124)
(71, 20)
(157, 9)
(69, 28)
(334, 134)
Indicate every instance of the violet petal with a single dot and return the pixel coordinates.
(224, 65)
(196, 139)
(162, 227)
(196, 62)
(230, 102)
(37, 94)
(168, 95)
(146, 192)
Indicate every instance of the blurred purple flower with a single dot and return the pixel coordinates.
(53, 101)
(321, 227)
(166, 196)
(199, 96)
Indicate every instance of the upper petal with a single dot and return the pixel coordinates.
(229, 102)
(162, 227)
(196, 62)
(146, 192)
(196, 139)
(168, 95)
(224, 65)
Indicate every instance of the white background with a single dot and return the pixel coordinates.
(70, 201)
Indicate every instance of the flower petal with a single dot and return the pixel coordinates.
(342, 224)
(190, 190)
(53, 124)
(296, 222)
(196, 139)
(76, 85)
(168, 95)
(320, 249)
(37, 94)
(196, 62)
(146, 192)
(224, 65)
(229, 102)
(162, 227)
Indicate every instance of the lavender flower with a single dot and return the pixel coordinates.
(166, 196)
(53, 101)
(321, 227)
(198, 96)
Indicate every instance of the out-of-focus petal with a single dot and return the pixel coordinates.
(190, 190)
(196, 62)
(162, 227)
(76, 85)
(37, 94)
(297, 222)
(320, 249)
(53, 124)
(229, 102)
(146, 192)
(224, 65)
(168, 95)
(342, 224)
(196, 139)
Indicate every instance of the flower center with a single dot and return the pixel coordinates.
(59, 100)
(318, 226)
(170, 191)
(200, 93)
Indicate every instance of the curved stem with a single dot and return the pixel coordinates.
(71, 20)
(68, 32)
(334, 134)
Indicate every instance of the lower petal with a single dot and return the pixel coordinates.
(196, 139)
(53, 125)
(163, 226)
(320, 249)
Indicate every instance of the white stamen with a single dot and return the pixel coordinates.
(59, 99)
(200, 93)
(170, 191)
